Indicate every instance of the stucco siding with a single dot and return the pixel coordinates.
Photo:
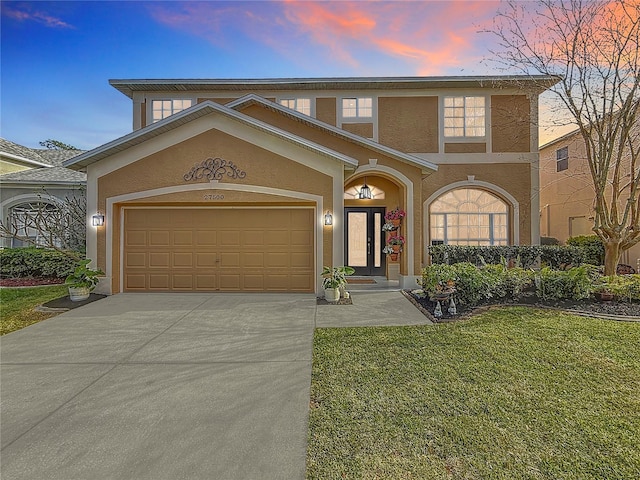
(409, 124)
(326, 110)
(510, 123)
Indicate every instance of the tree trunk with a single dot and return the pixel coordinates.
(611, 256)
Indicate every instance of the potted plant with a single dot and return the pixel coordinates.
(333, 279)
(388, 250)
(395, 216)
(389, 227)
(82, 281)
(396, 242)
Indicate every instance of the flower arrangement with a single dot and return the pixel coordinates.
(387, 250)
(396, 214)
(389, 227)
(396, 240)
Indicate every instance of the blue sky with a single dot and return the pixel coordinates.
(57, 57)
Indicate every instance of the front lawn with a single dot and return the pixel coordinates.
(514, 393)
(17, 306)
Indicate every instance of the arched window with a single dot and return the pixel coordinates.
(36, 223)
(469, 216)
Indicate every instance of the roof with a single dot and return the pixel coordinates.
(536, 82)
(185, 116)
(50, 175)
(35, 156)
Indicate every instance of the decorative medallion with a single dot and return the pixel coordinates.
(214, 169)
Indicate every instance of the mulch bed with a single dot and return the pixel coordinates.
(65, 303)
(590, 306)
(29, 282)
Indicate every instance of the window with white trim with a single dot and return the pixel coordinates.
(36, 223)
(302, 105)
(469, 216)
(562, 159)
(361, 107)
(163, 108)
(464, 116)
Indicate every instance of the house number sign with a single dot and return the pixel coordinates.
(214, 169)
(210, 196)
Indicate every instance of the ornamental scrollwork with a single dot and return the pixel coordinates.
(214, 169)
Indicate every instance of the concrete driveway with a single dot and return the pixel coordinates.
(160, 386)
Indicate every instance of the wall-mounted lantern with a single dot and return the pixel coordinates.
(97, 220)
(328, 218)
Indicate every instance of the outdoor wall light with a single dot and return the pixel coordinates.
(328, 218)
(97, 220)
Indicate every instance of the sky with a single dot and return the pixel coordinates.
(56, 58)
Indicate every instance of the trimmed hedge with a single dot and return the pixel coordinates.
(591, 246)
(35, 262)
(494, 283)
(526, 256)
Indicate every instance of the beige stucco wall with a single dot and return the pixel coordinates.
(168, 167)
(365, 130)
(510, 123)
(409, 124)
(467, 147)
(513, 178)
(326, 110)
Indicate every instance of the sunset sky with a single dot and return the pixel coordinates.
(57, 57)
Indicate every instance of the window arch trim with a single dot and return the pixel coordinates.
(477, 184)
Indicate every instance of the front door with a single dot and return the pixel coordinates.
(364, 240)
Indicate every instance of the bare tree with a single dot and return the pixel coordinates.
(60, 226)
(593, 47)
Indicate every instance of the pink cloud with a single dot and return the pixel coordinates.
(430, 37)
(36, 16)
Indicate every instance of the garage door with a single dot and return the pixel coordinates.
(211, 249)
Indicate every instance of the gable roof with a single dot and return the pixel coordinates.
(253, 99)
(188, 115)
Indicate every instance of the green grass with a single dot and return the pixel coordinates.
(17, 306)
(514, 393)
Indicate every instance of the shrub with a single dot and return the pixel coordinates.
(624, 287)
(591, 246)
(575, 283)
(526, 256)
(35, 262)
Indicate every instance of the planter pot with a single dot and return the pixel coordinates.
(78, 294)
(396, 248)
(605, 296)
(393, 256)
(395, 222)
(331, 294)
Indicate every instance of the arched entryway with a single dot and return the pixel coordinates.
(367, 197)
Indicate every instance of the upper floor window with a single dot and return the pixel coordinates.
(302, 105)
(464, 116)
(562, 159)
(357, 107)
(163, 108)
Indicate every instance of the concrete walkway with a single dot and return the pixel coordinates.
(170, 386)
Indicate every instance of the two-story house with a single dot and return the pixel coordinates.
(567, 192)
(254, 185)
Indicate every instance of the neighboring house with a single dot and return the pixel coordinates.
(34, 179)
(567, 193)
(230, 184)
